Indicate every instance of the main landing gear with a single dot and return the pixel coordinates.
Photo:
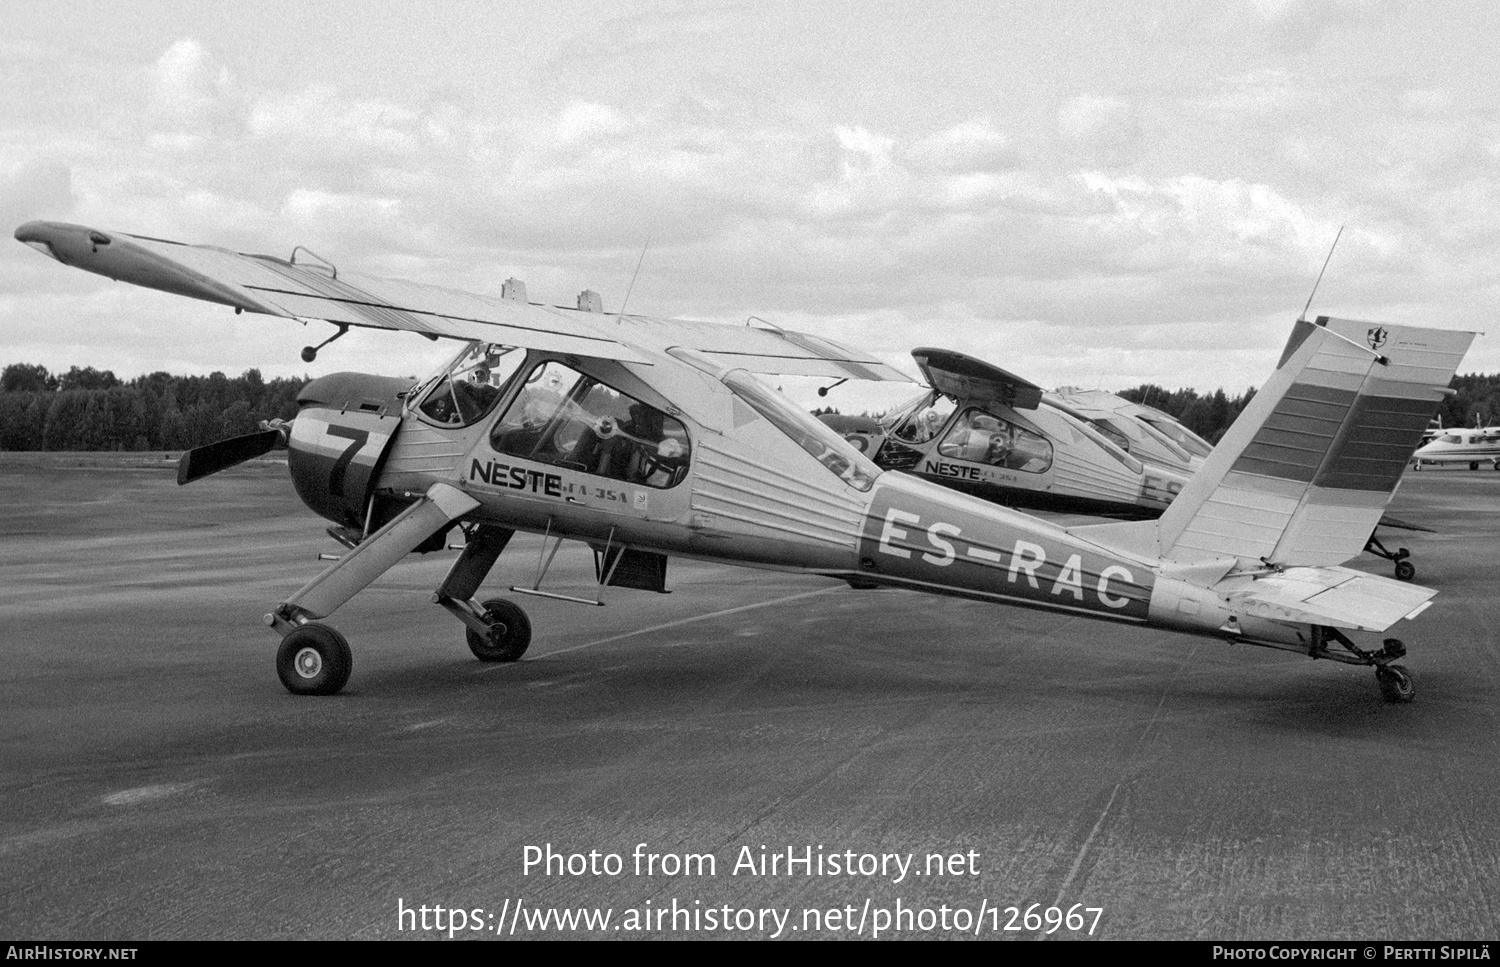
(508, 634)
(314, 660)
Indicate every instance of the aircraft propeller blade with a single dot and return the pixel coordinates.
(199, 462)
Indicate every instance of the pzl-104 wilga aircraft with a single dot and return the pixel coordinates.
(990, 433)
(648, 438)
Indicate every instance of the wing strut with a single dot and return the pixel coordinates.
(544, 562)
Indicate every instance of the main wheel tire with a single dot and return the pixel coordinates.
(509, 636)
(1405, 570)
(1395, 683)
(314, 660)
(1473, 464)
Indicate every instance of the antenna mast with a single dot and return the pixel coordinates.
(1303, 317)
(631, 288)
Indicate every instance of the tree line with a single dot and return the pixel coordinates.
(91, 409)
(1475, 402)
(1209, 415)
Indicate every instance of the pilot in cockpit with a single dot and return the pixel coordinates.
(653, 457)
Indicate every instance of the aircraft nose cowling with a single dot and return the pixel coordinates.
(344, 428)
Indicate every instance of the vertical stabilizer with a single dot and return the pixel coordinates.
(1304, 474)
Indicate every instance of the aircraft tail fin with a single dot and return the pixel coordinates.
(1305, 473)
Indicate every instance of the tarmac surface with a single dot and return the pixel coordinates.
(157, 782)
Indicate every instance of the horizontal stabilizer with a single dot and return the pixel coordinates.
(1339, 597)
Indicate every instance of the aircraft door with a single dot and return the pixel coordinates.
(569, 437)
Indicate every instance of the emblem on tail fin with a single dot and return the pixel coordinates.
(1376, 336)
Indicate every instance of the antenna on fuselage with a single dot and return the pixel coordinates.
(631, 288)
(1303, 317)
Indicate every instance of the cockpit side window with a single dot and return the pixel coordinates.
(471, 386)
(1191, 442)
(813, 436)
(568, 419)
(1112, 434)
(981, 437)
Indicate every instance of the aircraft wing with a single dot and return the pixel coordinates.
(311, 289)
(966, 378)
(1336, 596)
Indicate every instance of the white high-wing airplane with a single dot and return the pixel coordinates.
(1142, 431)
(990, 433)
(1472, 446)
(648, 438)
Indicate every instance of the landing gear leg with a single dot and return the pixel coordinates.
(1405, 569)
(1395, 680)
(313, 658)
(498, 630)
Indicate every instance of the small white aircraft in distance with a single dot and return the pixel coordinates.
(1472, 446)
(649, 438)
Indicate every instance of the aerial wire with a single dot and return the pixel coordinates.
(1303, 317)
(620, 316)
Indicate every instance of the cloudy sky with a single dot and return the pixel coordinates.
(1084, 193)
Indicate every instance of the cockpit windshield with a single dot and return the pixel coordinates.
(918, 420)
(467, 389)
(830, 449)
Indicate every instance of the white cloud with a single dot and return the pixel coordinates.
(1104, 128)
(970, 147)
(1042, 210)
(189, 88)
(35, 188)
(583, 121)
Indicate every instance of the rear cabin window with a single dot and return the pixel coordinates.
(568, 419)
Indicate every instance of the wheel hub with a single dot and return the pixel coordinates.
(308, 663)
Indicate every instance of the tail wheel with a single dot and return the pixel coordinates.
(314, 660)
(509, 634)
(1395, 683)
